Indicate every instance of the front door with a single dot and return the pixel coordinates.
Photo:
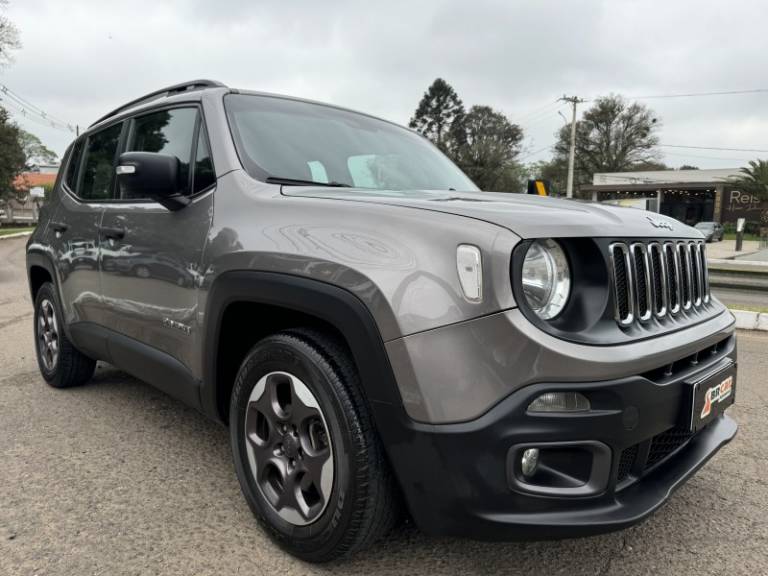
(150, 256)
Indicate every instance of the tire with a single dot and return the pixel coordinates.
(68, 366)
(360, 504)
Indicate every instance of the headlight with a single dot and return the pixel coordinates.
(546, 278)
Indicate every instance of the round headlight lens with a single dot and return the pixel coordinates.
(546, 278)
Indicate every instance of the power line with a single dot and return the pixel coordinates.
(534, 153)
(713, 148)
(698, 94)
(548, 115)
(535, 112)
(706, 157)
(29, 111)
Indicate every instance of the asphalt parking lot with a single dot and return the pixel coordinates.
(117, 478)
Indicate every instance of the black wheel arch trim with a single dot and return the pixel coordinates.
(332, 304)
(39, 258)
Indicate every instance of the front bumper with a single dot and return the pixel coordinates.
(457, 480)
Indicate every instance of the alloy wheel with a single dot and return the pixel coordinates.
(48, 335)
(289, 447)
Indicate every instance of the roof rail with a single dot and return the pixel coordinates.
(176, 88)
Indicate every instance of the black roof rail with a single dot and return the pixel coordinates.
(176, 88)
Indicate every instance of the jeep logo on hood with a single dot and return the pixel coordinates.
(657, 223)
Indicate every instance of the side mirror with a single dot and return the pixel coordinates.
(151, 175)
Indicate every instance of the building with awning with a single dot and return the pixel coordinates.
(690, 196)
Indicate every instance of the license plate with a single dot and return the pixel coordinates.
(710, 396)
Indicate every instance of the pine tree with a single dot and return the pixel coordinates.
(439, 109)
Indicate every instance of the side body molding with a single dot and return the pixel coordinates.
(329, 303)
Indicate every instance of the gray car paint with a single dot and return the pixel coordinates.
(458, 372)
(395, 251)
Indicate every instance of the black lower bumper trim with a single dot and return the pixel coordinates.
(456, 480)
(627, 507)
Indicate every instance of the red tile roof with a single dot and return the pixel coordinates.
(27, 180)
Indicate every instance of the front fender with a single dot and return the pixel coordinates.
(336, 306)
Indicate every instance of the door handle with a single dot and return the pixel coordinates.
(112, 233)
(58, 226)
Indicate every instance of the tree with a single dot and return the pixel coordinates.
(11, 154)
(649, 165)
(439, 109)
(9, 37)
(612, 136)
(35, 151)
(487, 144)
(688, 167)
(753, 179)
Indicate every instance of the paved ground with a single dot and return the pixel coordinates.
(116, 478)
(741, 298)
(727, 248)
(759, 256)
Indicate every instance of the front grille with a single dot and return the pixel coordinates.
(626, 461)
(665, 444)
(657, 279)
(658, 448)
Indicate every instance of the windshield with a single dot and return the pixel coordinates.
(705, 225)
(294, 143)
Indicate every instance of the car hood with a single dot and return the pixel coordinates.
(527, 216)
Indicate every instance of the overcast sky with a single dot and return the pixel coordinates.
(82, 58)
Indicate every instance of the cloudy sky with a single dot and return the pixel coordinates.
(82, 58)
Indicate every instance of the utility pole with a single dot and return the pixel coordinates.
(574, 100)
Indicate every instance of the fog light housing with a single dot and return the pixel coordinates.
(529, 462)
(560, 402)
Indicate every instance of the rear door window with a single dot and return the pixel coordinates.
(99, 166)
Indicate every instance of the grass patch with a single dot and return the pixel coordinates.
(759, 309)
(732, 236)
(15, 229)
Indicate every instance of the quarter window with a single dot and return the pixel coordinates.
(73, 167)
(204, 174)
(98, 169)
(169, 132)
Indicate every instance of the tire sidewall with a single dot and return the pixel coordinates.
(277, 354)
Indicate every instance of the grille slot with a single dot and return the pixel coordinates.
(624, 294)
(626, 461)
(684, 250)
(696, 274)
(643, 281)
(665, 444)
(673, 277)
(657, 279)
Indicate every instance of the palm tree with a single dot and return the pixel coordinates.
(753, 179)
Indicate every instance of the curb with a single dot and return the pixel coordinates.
(746, 320)
(15, 235)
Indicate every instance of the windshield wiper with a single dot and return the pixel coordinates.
(299, 182)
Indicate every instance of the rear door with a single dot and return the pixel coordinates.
(86, 187)
(150, 255)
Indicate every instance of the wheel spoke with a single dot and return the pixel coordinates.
(260, 430)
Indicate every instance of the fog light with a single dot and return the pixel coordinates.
(560, 402)
(529, 462)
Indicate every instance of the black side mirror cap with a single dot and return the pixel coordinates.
(151, 175)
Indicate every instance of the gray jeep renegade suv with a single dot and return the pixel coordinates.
(380, 336)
